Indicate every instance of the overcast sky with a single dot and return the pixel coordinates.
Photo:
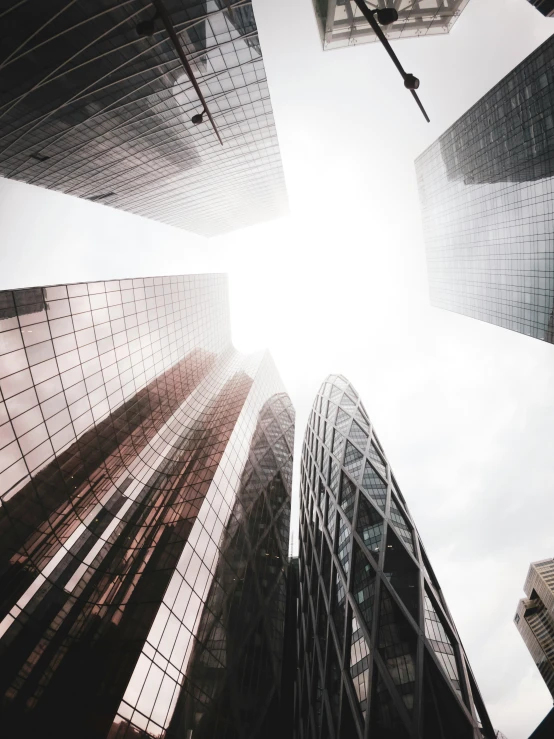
(465, 410)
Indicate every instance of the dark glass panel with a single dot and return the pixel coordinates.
(326, 566)
(441, 643)
(363, 587)
(442, 716)
(348, 729)
(369, 526)
(402, 525)
(385, 720)
(333, 679)
(347, 496)
(339, 606)
(397, 645)
(402, 573)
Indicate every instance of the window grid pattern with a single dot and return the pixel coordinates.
(71, 354)
(128, 558)
(487, 196)
(375, 627)
(93, 109)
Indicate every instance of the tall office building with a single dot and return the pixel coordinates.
(341, 22)
(145, 501)
(95, 102)
(486, 189)
(381, 655)
(534, 618)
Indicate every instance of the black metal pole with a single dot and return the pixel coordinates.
(384, 40)
(164, 15)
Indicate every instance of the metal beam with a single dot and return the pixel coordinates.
(329, 20)
(168, 23)
(383, 39)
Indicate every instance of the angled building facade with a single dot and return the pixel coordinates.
(534, 618)
(380, 654)
(546, 7)
(487, 195)
(341, 23)
(91, 108)
(145, 502)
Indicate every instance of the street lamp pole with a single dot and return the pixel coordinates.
(410, 82)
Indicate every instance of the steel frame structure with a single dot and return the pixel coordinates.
(342, 24)
(380, 654)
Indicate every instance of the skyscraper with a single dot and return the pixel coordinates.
(381, 654)
(95, 101)
(534, 618)
(145, 501)
(341, 22)
(486, 188)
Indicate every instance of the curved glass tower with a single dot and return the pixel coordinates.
(381, 654)
(145, 476)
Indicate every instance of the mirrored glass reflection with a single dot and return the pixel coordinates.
(487, 193)
(144, 534)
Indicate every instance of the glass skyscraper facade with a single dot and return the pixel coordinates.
(487, 196)
(534, 618)
(341, 22)
(91, 108)
(380, 654)
(145, 476)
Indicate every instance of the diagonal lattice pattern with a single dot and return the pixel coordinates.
(380, 654)
(235, 670)
(90, 108)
